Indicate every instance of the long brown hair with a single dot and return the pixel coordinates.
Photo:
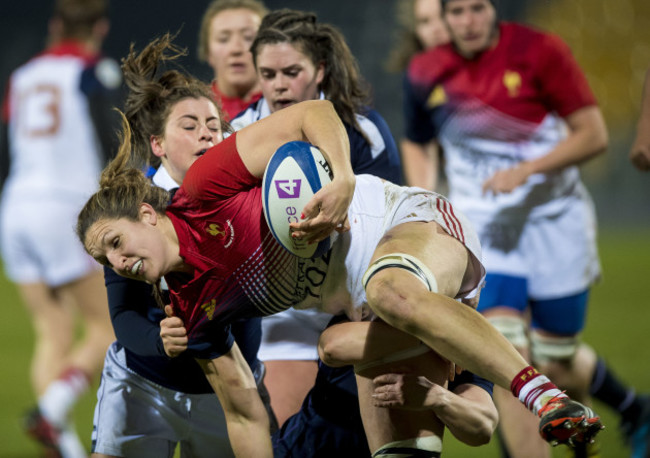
(154, 91)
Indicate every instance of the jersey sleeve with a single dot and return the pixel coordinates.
(563, 84)
(376, 153)
(418, 126)
(134, 314)
(467, 377)
(220, 173)
(101, 83)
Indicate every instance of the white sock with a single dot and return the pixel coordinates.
(70, 445)
(61, 395)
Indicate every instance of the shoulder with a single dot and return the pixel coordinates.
(252, 113)
(429, 64)
(535, 41)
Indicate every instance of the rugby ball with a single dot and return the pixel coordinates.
(296, 171)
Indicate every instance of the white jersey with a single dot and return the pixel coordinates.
(55, 160)
(54, 149)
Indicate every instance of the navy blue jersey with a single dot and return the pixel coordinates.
(373, 152)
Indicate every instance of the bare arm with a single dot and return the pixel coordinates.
(356, 342)
(468, 412)
(587, 138)
(640, 152)
(246, 418)
(421, 163)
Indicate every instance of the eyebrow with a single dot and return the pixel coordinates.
(283, 69)
(196, 118)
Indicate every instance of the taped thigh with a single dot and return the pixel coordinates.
(545, 349)
(402, 261)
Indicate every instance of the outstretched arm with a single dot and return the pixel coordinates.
(640, 152)
(246, 419)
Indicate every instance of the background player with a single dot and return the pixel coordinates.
(228, 28)
(60, 126)
(515, 117)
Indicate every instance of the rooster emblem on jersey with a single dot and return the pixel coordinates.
(512, 82)
(216, 230)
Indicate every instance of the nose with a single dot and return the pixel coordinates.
(205, 133)
(279, 83)
(116, 260)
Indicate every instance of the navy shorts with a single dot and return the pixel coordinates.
(563, 316)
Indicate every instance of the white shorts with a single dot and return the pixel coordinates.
(39, 243)
(137, 418)
(292, 335)
(557, 254)
(370, 219)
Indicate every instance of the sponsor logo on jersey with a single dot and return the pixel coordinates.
(437, 97)
(512, 82)
(288, 189)
(222, 231)
(209, 308)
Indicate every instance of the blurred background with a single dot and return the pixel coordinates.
(611, 41)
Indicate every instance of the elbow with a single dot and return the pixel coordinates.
(330, 350)
(483, 429)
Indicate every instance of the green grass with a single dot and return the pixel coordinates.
(617, 327)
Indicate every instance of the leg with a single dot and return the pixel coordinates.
(402, 300)
(375, 348)
(288, 382)
(517, 427)
(504, 302)
(456, 332)
(54, 330)
(89, 295)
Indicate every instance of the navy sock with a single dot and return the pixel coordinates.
(607, 388)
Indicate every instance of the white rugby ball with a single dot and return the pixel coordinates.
(296, 171)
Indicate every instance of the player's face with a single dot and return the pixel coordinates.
(287, 76)
(231, 34)
(133, 249)
(193, 126)
(471, 24)
(429, 26)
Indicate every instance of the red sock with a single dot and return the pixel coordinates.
(534, 389)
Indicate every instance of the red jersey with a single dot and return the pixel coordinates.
(494, 111)
(239, 269)
(232, 106)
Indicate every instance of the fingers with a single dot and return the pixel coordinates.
(169, 310)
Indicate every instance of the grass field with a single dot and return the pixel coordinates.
(617, 327)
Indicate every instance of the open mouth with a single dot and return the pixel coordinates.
(135, 268)
(201, 153)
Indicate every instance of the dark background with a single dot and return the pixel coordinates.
(369, 26)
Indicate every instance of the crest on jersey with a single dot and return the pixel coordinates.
(221, 231)
(437, 97)
(512, 82)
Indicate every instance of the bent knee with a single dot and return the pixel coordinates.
(395, 300)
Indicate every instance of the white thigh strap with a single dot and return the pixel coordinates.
(402, 261)
(411, 447)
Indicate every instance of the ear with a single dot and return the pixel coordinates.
(320, 73)
(156, 146)
(148, 214)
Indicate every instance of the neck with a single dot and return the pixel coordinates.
(243, 92)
